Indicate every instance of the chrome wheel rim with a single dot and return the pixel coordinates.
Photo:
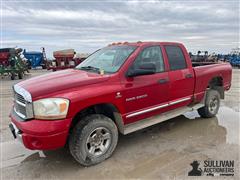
(213, 105)
(98, 141)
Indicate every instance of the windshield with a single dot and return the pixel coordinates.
(108, 59)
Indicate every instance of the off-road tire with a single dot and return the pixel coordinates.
(206, 111)
(80, 134)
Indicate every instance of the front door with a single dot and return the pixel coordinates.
(146, 95)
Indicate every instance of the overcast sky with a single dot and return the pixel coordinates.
(89, 25)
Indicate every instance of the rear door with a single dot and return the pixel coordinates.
(146, 95)
(181, 77)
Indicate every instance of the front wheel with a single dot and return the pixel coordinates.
(212, 104)
(93, 139)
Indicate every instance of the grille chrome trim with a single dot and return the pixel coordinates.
(22, 103)
(19, 90)
(19, 114)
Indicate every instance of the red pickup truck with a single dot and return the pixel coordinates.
(120, 88)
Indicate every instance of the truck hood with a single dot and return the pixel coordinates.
(59, 81)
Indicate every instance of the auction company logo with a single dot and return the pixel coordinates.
(212, 168)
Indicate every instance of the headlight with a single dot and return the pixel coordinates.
(50, 108)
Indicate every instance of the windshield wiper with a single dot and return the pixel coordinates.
(90, 68)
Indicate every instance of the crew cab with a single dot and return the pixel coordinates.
(120, 88)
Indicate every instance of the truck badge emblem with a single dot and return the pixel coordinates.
(118, 95)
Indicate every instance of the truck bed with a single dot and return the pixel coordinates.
(205, 72)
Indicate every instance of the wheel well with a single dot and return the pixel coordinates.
(106, 109)
(216, 83)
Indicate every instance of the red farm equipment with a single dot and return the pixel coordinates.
(64, 59)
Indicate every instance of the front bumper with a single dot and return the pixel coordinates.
(40, 134)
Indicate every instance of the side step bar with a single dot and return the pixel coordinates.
(129, 128)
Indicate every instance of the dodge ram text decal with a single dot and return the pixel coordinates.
(136, 97)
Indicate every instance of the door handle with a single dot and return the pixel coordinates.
(188, 76)
(162, 81)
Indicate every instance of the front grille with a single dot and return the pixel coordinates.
(22, 107)
(20, 98)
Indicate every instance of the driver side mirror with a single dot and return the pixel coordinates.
(143, 69)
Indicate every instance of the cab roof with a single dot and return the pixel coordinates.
(140, 43)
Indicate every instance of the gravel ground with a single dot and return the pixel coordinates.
(164, 151)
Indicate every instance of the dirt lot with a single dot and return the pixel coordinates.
(164, 151)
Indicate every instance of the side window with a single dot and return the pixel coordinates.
(176, 58)
(151, 54)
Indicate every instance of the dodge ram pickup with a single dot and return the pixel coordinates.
(121, 88)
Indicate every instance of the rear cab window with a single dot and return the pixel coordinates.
(176, 57)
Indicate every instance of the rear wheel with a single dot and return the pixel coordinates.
(93, 139)
(212, 104)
